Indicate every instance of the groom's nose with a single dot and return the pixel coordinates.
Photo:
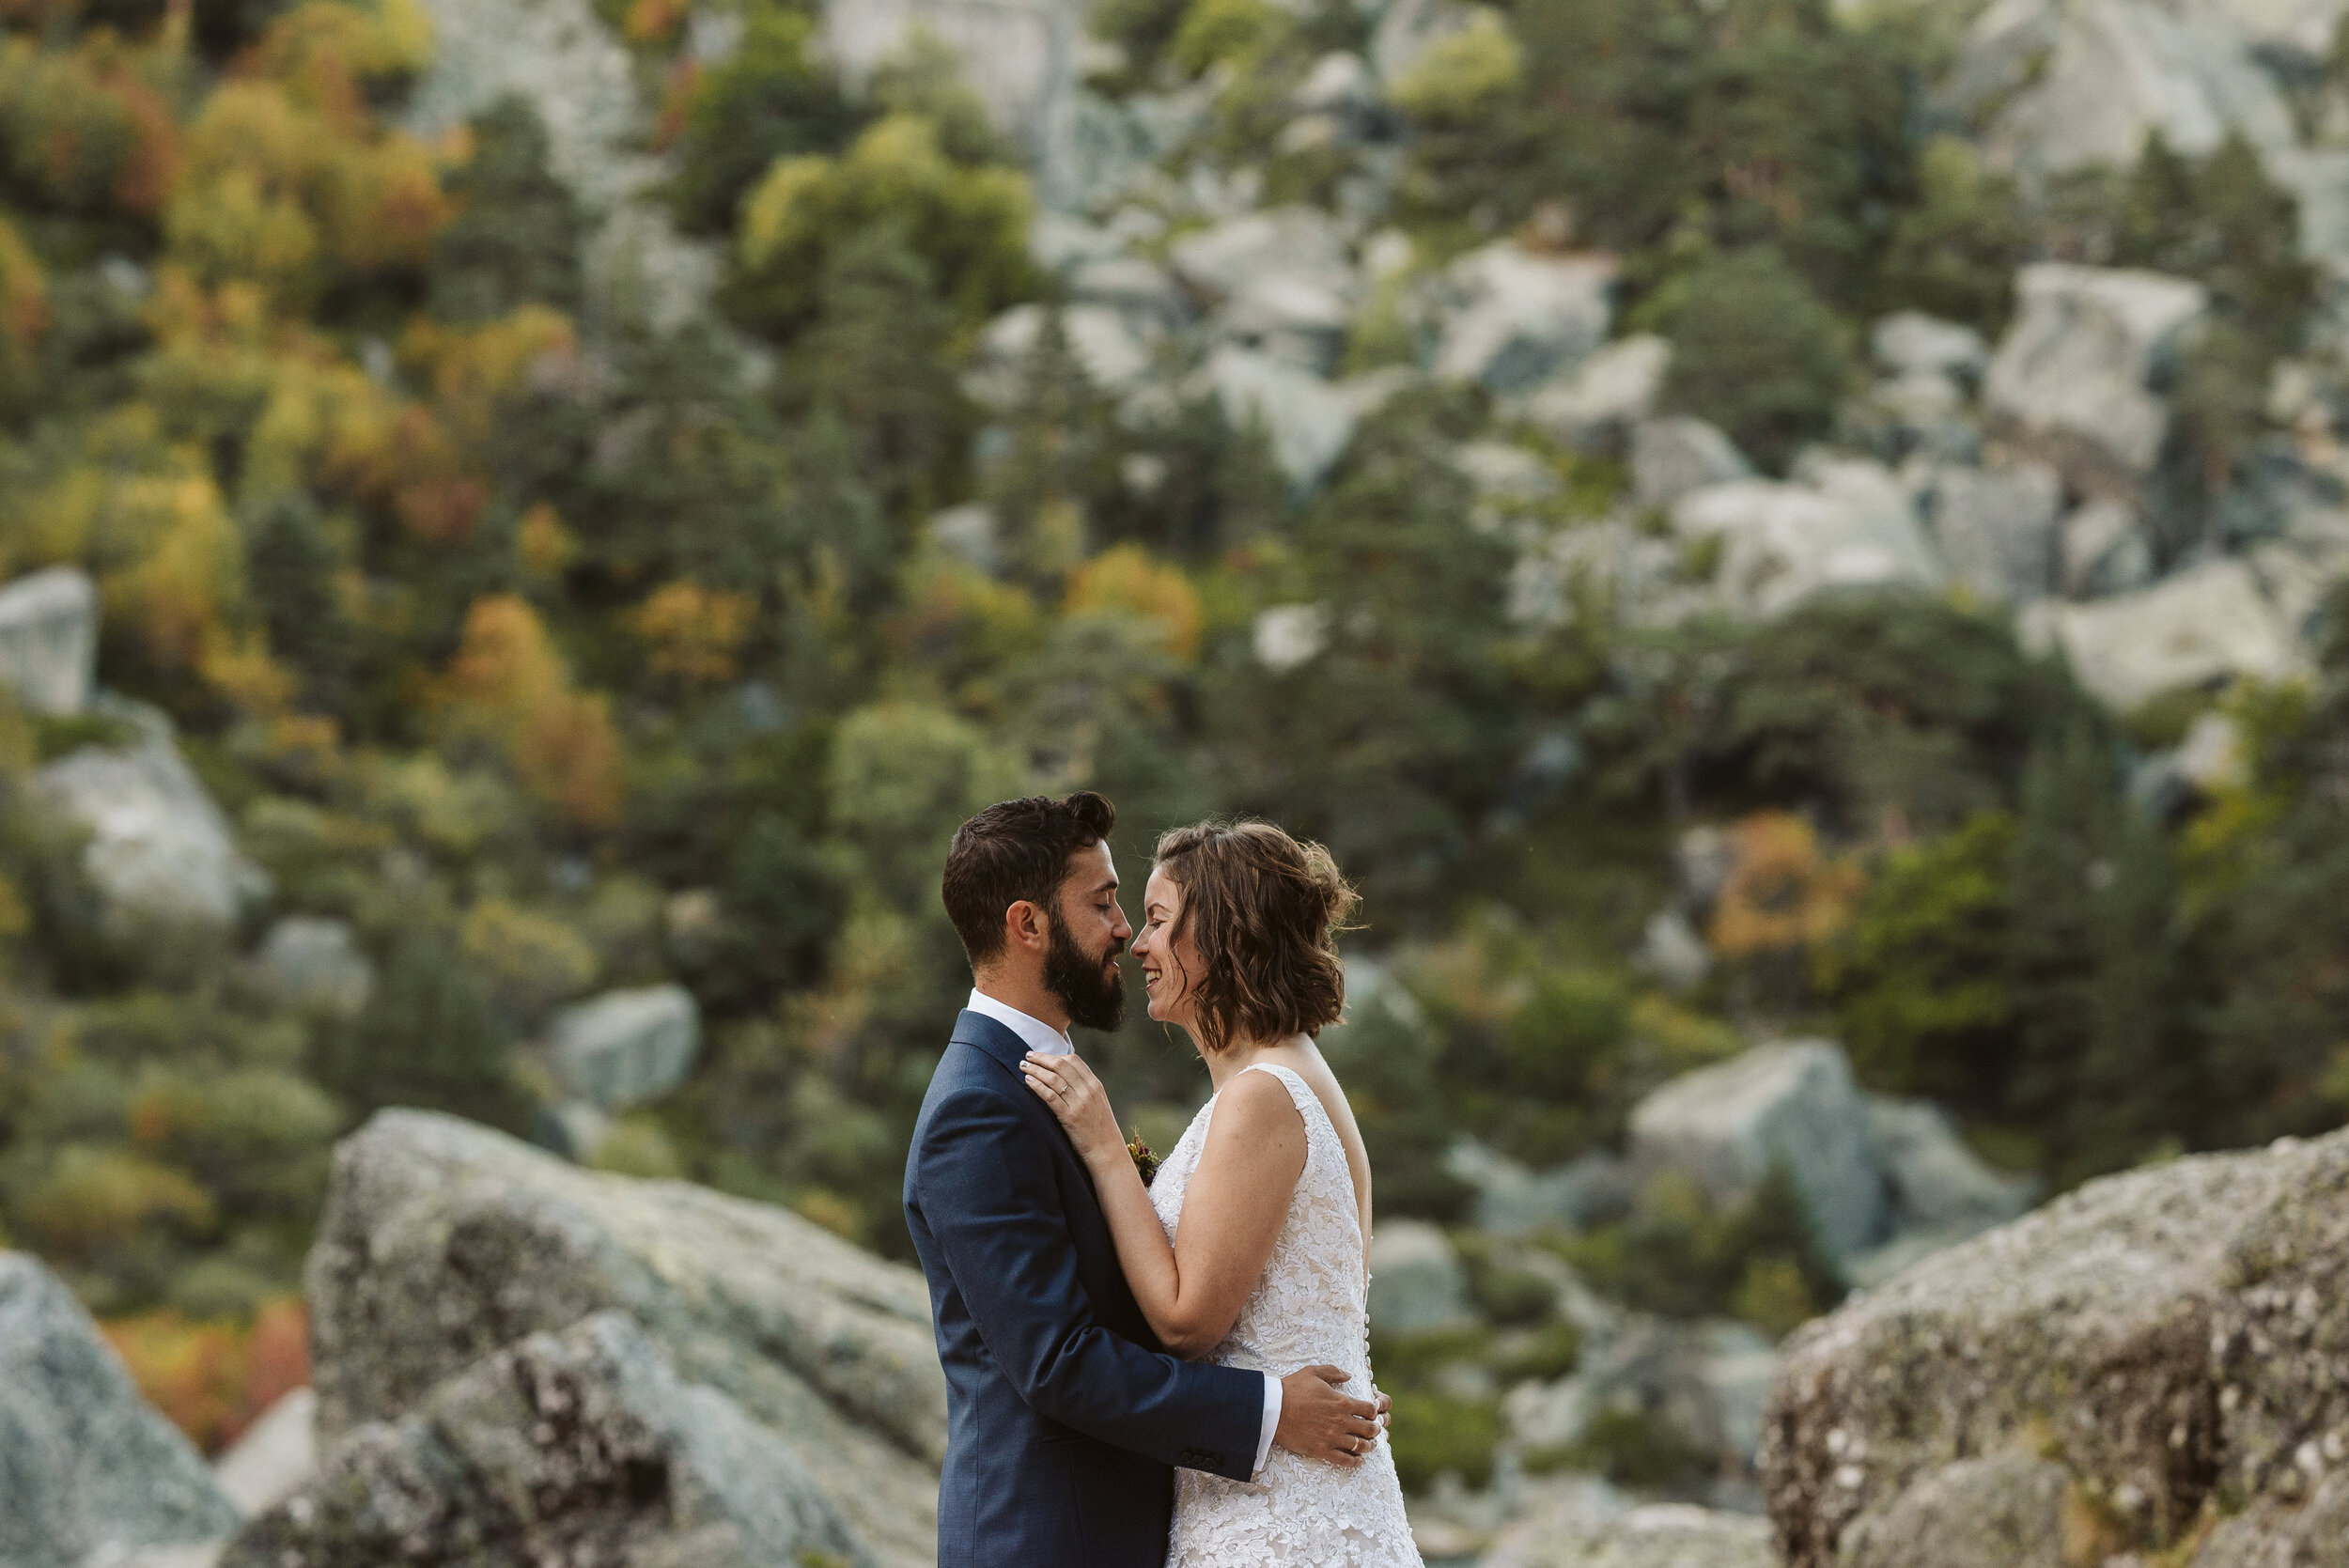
(1119, 929)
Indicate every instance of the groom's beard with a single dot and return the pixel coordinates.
(1088, 984)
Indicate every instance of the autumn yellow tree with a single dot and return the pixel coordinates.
(695, 634)
(509, 690)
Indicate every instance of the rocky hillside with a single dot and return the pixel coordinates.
(1793, 550)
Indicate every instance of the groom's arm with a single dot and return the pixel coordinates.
(994, 1210)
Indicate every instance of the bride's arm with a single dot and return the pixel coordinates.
(1233, 1209)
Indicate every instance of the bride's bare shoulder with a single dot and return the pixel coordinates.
(1255, 1102)
(1258, 1134)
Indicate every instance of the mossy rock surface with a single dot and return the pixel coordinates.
(2174, 1339)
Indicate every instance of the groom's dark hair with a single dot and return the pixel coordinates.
(1012, 851)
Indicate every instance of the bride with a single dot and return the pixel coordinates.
(1248, 1249)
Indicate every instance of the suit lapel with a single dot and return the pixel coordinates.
(1088, 1227)
(977, 1029)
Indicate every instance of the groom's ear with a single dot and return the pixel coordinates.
(1027, 926)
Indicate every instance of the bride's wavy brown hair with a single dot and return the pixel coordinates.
(1264, 911)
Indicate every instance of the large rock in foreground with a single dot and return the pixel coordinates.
(444, 1242)
(578, 1448)
(89, 1469)
(2174, 1342)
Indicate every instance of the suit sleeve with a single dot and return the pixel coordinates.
(992, 1205)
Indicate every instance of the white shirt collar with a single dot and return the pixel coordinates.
(1037, 1035)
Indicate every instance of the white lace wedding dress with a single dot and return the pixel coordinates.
(1308, 1309)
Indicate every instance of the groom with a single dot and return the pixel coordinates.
(1063, 1416)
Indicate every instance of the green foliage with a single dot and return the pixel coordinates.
(1141, 28)
(2096, 965)
(966, 220)
(1506, 1292)
(68, 134)
(1222, 31)
(428, 1037)
(2220, 403)
(1918, 981)
(1390, 1069)
(157, 1129)
(1755, 350)
(1568, 1028)
(2268, 867)
(291, 556)
(2223, 223)
(516, 237)
(57, 735)
(1435, 1433)
(1775, 1295)
(1756, 122)
(1892, 708)
(1390, 741)
(769, 99)
(1677, 1255)
(925, 80)
(873, 372)
(902, 778)
(1954, 253)
(636, 1146)
(1460, 74)
(1546, 1352)
(1632, 1448)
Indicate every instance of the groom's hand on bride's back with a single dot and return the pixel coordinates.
(1320, 1421)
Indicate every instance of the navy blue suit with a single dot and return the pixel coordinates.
(1064, 1417)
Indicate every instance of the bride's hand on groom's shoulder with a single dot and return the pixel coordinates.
(1076, 1097)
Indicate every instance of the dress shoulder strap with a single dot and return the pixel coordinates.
(1300, 1093)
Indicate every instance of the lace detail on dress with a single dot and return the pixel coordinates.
(1311, 1308)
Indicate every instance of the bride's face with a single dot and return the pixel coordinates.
(1168, 962)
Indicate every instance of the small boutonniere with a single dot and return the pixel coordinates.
(1146, 1163)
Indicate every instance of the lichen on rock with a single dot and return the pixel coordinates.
(2175, 1339)
(444, 1243)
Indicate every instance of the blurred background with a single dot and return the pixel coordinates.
(1791, 549)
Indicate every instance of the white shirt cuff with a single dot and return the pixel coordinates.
(1271, 1422)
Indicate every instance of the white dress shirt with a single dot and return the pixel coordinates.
(1045, 1040)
